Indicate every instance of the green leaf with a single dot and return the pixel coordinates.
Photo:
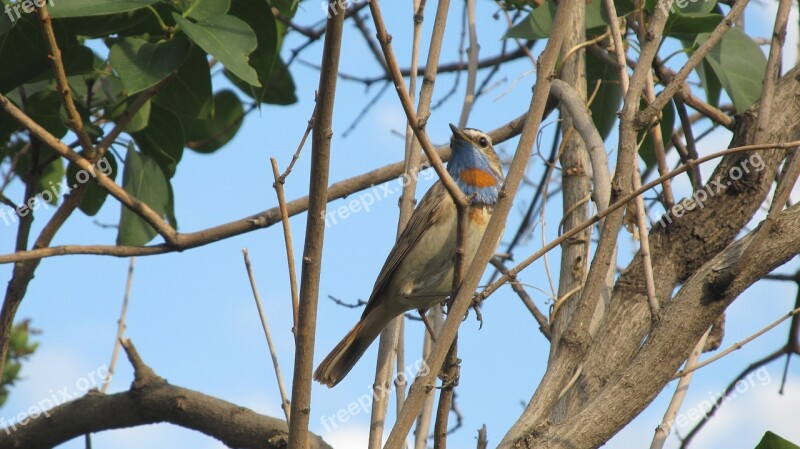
(94, 131)
(691, 24)
(48, 187)
(772, 441)
(142, 64)
(170, 213)
(539, 23)
(104, 26)
(145, 180)
(711, 84)
(107, 90)
(206, 10)
(287, 7)
(43, 107)
(5, 24)
(606, 103)
(280, 89)
(189, 93)
(162, 140)
(648, 151)
(49, 182)
(94, 196)
(258, 15)
(739, 64)
(81, 8)
(139, 120)
(24, 52)
(8, 126)
(207, 136)
(708, 79)
(227, 38)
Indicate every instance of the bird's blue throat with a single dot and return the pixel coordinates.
(473, 173)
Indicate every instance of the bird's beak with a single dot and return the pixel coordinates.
(458, 134)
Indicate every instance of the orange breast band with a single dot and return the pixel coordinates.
(478, 178)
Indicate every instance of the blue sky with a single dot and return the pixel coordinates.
(192, 315)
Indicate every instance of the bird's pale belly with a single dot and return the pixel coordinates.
(427, 273)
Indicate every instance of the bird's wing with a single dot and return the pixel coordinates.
(428, 212)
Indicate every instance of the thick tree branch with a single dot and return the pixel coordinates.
(151, 400)
(701, 226)
(683, 321)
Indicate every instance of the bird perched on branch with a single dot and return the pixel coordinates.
(418, 273)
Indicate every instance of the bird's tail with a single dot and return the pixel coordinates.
(345, 355)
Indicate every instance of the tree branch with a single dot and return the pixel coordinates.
(261, 220)
(151, 400)
(315, 233)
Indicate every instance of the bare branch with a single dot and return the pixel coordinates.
(645, 116)
(285, 403)
(663, 429)
(152, 400)
(120, 326)
(315, 233)
(254, 222)
(736, 346)
(64, 91)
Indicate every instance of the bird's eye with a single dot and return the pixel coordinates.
(484, 143)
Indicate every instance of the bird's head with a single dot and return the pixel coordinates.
(474, 164)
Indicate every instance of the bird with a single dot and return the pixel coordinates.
(418, 273)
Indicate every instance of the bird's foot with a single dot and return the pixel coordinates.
(450, 375)
(476, 306)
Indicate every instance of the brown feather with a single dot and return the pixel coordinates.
(345, 355)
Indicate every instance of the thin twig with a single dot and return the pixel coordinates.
(792, 347)
(544, 326)
(417, 125)
(663, 429)
(645, 116)
(736, 346)
(472, 64)
(300, 146)
(644, 244)
(285, 404)
(64, 91)
(287, 237)
(623, 202)
(256, 221)
(120, 326)
(691, 145)
(152, 218)
(641, 223)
